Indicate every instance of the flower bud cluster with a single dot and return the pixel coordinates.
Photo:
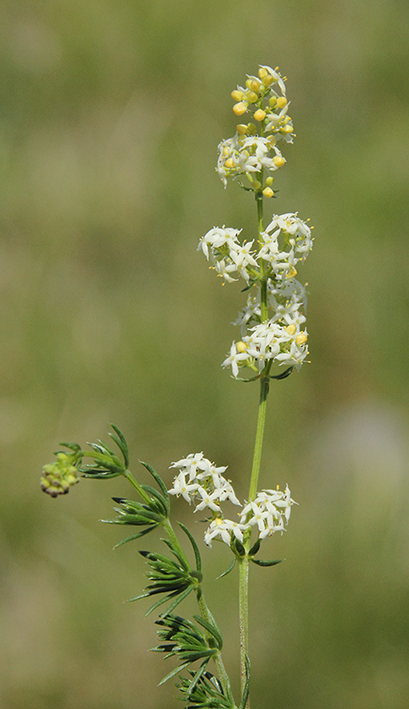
(263, 99)
(58, 477)
(201, 482)
(285, 243)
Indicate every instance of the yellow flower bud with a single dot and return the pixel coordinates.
(259, 115)
(242, 128)
(287, 129)
(251, 97)
(229, 163)
(301, 338)
(240, 108)
(251, 129)
(281, 101)
(256, 185)
(268, 192)
(278, 161)
(269, 181)
(253, 85)
(268, 80)
(272, 101)
(237, 95)
(262, 73)
(291, 329)
(241, 347)
(292, 272)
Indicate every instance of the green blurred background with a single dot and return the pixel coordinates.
(110, 116)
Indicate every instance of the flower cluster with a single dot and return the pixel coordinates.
(263, 99)
(58, 477)
(201, 482)
(285, 242)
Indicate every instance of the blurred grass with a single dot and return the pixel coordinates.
(109, 121)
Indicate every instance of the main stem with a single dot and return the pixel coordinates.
(255, 471)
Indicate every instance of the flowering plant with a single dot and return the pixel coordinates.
(272, 336)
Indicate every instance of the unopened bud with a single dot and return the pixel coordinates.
(281, 101)
(229, 163)
(287, 129)
(279, 161)
(241, 347)
(291, 329)
(251, 97)
(268, 192)
(301, 338)
(240, 108)
(242, 128)
(256, 185)
(237, 95)
(259, 115)
(269, 181)
(272, 101)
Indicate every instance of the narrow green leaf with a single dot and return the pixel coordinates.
(254, 549)
(231, 567)
(121, 443)
(174, 672)
(174, 551)
(134, 536)
(194, 545)
(211, 629)
(181, 597)
(246, 688)
(260, 562)
(196, 678)
(160, 482)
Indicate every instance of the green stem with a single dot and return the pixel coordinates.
(255, 472)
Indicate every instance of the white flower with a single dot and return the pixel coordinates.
(224, 528)
(207, 499)
(270, 511)
(181, 487)
(234, 359)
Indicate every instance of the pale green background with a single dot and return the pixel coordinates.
(111, 111)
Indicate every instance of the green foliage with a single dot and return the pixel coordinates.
(173, 578)
(183, 639)
(204, 690)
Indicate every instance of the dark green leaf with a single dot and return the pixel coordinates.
(194, 545)
(260, 562)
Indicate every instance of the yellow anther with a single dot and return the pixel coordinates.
(279, 161)
(268, 192)
(301, 338)
(259, 115)
(229, 163)
(241, 347)
(291, 329)
(281, 101)
(240, 108)
(237, 95)
(242, 128)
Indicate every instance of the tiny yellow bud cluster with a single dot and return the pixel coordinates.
(58, 477)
